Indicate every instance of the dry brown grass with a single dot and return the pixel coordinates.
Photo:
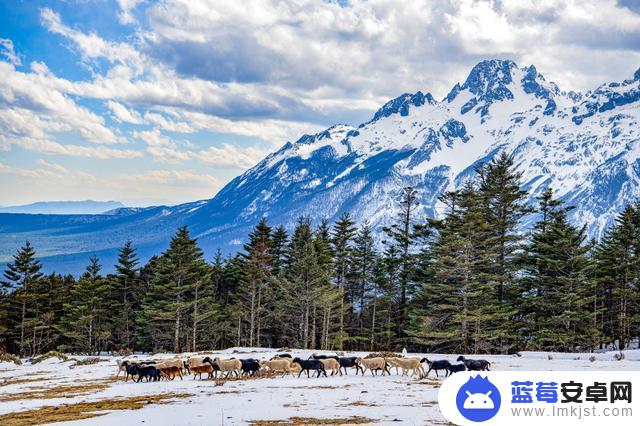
(354, 420)
(83, 410)
(360, 404)
(44, 392)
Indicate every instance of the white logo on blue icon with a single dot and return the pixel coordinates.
(478, 399)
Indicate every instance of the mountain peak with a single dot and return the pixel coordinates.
(401, 104)
(488, 82)
(489, 76)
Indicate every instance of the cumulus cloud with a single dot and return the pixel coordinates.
(272, 70)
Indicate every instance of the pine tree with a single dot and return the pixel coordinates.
(402, 235)
(257, 270)
(128, 294)
(558, 292)
(22, 276)
(85, 321)
(361, 279)
(168, 310)
(279, 240)
(504, 206)
(341, 242)
(461, 307)
(617, 266)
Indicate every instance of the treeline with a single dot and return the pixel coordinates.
(470, 282)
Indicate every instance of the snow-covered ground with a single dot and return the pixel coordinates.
(381, 399)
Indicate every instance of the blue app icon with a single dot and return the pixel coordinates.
(478, 400)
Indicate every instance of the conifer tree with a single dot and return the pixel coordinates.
(403, 236)
(127, 296)
(85, 320)
(341, 243)
(361, 279)
(504, 206)
(557, 290)
(617, 266)
(168, 310)
(22, 275)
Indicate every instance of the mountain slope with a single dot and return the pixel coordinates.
(586, 146)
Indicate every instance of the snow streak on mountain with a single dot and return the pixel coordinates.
(585, 146)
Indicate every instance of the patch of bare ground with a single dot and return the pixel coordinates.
(354, 420)
(83, 410)
(360, 404)
(43, 392)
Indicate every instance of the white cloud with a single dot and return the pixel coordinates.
(7, 50)
(123, 114)
(231, 156)
(125, 15)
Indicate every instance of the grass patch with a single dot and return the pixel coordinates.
(354, 420)
(83, 410)
(10, 358)
(360, 404)
(43, 392)
(62, 357)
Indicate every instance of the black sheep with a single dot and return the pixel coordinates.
(131, 369)
(475, 364)
(349, 362)
(250, 366)
(150, 372)
(455, 368)
(310, 364)
(283, 356)
(437, 365)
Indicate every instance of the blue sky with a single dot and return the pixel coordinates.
(164, 102)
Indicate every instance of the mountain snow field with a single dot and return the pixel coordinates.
(54, 388)
(586, 146)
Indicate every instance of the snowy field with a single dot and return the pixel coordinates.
(53, 390)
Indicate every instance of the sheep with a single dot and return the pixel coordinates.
(406, 364)
(198, 370)
(250, 367)
(475, 364)
(214, 367)
(373, 364)
(170, 372)
(277, 366)
(229, 366)
(437, 365)
(456, 368)
(150, 372)
(310, 364)
(332, 364)
(121, 367)
(168, 363)
(131, 369)
(349, 362)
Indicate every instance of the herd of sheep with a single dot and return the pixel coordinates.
(283, 364)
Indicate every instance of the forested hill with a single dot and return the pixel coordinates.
(469, 282)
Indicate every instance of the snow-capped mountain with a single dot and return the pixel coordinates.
(585, 146)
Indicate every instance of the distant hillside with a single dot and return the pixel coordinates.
(64, 207)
